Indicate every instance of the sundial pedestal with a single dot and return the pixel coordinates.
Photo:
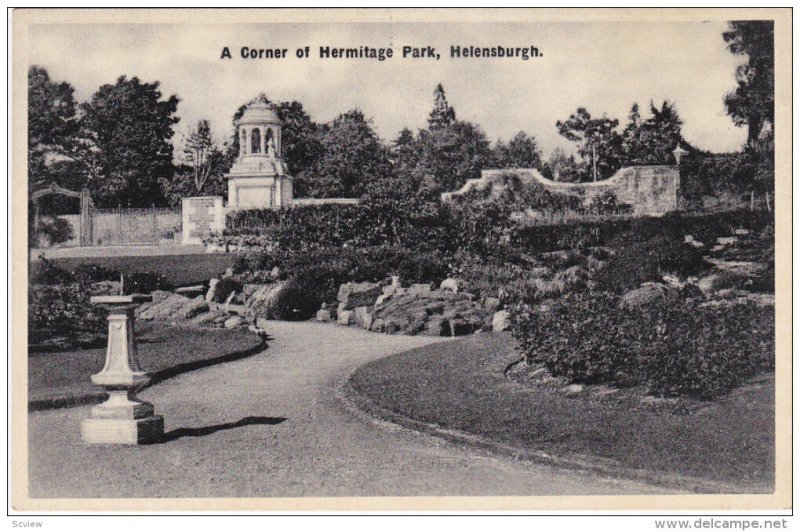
(122, 419)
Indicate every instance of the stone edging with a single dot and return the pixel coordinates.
(361, 404)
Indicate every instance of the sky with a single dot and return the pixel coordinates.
(603, 66)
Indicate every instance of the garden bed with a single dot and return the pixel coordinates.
(61, 379)
(461, 386)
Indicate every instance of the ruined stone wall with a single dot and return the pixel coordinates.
(651, 190)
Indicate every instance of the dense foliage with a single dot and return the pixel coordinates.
(637, 260)
(59, 311)
(673, 347)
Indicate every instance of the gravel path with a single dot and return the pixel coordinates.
(273, 425)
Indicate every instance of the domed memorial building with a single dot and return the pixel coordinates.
(258, 178)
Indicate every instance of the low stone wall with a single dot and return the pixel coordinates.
(651, 190)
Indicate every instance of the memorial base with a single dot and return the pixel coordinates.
(123, 431)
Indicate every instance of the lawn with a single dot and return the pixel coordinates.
(460, 385)
(179, 270)
(57, 379)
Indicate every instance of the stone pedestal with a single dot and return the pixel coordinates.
(122, 419)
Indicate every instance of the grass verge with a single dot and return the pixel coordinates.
(61, 379)
(459, 386)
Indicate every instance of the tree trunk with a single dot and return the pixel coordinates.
(766, 197)
(752, 200)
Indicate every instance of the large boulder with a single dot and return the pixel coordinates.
(491, 303)
(643, 295)
(363, 317)
(437, 326)
(249, 289)
(263, 302)
(501, 321)
(165, 309)
(450, 284)
(204, 319)
(419, 289)
(345, 317)
(436, 312)
(324, 314)
(194, 307)
(234, 322)
(355, 294)
(212, 288)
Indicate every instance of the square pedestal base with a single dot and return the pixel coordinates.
(123, 431)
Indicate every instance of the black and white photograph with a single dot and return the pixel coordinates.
(393, 259)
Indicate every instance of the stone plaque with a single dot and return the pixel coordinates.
(202, 217)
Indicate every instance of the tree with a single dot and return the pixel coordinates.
(405, 158)
(449, 156)
(52, 125)
(201, 169)
(353, 158)
(301, 143)
(129, 127)
(562, 168)
(599, 145)
(198, 149)
(753, 102)
(522, 151)
(652, 141)
(442, 114)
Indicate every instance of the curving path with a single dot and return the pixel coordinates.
(273, 425)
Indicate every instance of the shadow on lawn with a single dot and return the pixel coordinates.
(97, 395)
(170, 372)
(208, 430)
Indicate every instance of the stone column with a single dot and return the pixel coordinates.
(243, 142)
(263, 140)
(122, 419)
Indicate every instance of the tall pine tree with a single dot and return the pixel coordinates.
(442, 115)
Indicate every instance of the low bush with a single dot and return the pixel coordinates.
(60, 314)
(672, 347)
(59, 311)
(52, 230)
(639, 261)
(764, 282)
(731, 280)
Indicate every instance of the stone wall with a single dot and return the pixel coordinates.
(651, 190)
